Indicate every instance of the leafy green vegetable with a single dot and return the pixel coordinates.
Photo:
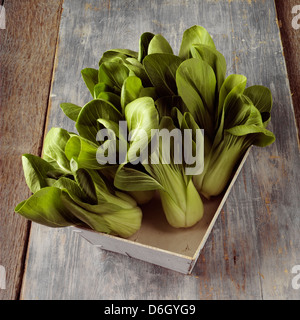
(87, 124)
(72, 195)
(113, 74)
(46, 207)
(70, 110)
(196, 82)
(241, 126)
(192, 36)
(159, 44)
(126, 145)
(261, 97)
(83, 151)
(54, 146)
(90, 77)
(35, 171)
(181, 202)
(131, 90)
(145, 39)
(214, 58)
(161, 69)
(141, 116)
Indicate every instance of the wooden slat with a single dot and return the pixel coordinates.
(26, 60)
(254, 243)
(291, 47)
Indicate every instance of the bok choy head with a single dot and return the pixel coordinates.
(243, 117)
(64, 194)
(160, 171)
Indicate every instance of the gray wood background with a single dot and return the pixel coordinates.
(255, 241)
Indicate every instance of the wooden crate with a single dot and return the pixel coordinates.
(159, 243)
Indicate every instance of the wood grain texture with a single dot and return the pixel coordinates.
(26, 61)
(254, 243)
(291, 47)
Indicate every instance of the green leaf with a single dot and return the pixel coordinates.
(214, 58)
(70, 110)
(193, 36)
(90, 77)
(101, 87)
(115, 214)
(233, 86)
(141, 116)
(126, 52)
(230, 97)
(161, 69)
(130, 179)
(262, 99)
(196, 83)
(131, 89)
(113, 98)
(112, 56)
(129, 59)
(159, 44)
(166, 104)
(148, 92)
(239, 111)
(113, 74)
(54, 148)
(137, 69)
(94, 220)
(144, 44)
(54, 174)
(72, 188)
(261, 136)
(252, 127)
(46, 207)
(112, 125)
(87, 124)
(122, 222)
(115, 55)
(86, 184)
(35, 171)
(84, 151)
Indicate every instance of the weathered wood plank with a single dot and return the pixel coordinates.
(275, 169)
(291, 47)
(26, 60)
(254, 243)
(265, 197)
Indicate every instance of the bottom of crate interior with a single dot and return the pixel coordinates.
(156, 232)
